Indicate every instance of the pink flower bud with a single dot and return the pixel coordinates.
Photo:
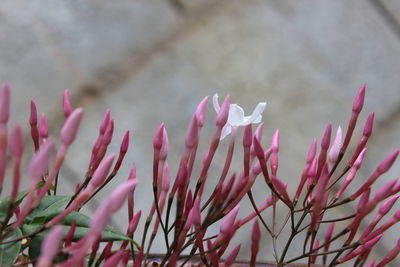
(192, 134)
(125, 143)
(358, 162)
(372, 242)
(17, 142)
(228, 187)
(195, 213)
(359, 99)
(104, 122)
(118, 196)
(101, 172)
(109, 206)
(134, 222)
(396, 188)
(188, 202)
(382, 168)
(232, 256)
(158, 138)
(274, 162)
(335, 149)
(43, 130)
(280, 187)
(312, 151)
(258, 135)
(369, 124)
(165, 146)
(50, 246)
(5, 103)
(312, 169)
(328, 235)
(385, 165)
(326, 139)
(165, 183)
(372, 263)
(315, 250)
(70, 234)
(363, 248)
(261, 158)
(387, 205)
(229, 220)
(385, 190)
(107, 137)
(390, 256)
(255, 242)
(222, 116)
(258, 148)
(275, 141)
(40, 162)
(33, 114)
(66, 104)
(247, 135)
(352, 173)
(363, 200)
(201, 112)
(114, 259)
(132, 173)
(70, 127)
(122, 151)
(139, 258)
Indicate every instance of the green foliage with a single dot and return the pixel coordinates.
(10, 251)
(5, 202)
(50, 207)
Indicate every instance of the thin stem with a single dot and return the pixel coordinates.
(292, 235)
(84, 184)
(109, 178)
(56, 184)
(250, 195)
(338, 220)
(309, 254)
(284, 223)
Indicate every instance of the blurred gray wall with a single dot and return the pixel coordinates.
(153, 60)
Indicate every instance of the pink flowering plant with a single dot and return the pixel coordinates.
(41, 227)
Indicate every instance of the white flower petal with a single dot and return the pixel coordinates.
(216, 103)
(256, 115)
(227, 129)
(236, 115)
(258, 119)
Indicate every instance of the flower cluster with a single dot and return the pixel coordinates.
(40, 227)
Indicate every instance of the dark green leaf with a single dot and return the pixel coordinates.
(80, 232)
(34, 246)
(50, 205)
(77, 217)
(84, 221)
(39, 220)
(4, 203)
(40, 184)
(10, 251)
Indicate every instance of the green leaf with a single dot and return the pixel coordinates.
(52, 187)
(77, 217)
(10, 251)
(80, 232)
(35, 245)
(84, 221)
(4, 203)
(49, 206)
(39, 220)
(40, 184)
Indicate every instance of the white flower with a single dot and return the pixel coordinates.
(236, 116)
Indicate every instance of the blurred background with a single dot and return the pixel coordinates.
(152, 61)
